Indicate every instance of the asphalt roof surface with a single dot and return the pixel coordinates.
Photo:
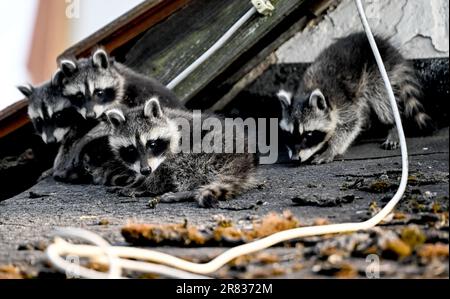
(27, 220)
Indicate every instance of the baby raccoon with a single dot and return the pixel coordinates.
(52, 114)
(56, 120)
(97, 83)
(339, 93)
(148, 140)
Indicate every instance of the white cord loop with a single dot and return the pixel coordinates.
(118, 257)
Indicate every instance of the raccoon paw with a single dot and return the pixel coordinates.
(390, 144)
(206, 199)
(125, 192)
(172, 197)
(323, 159)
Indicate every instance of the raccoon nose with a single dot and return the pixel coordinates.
(146, 170)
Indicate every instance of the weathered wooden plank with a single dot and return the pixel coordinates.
(127, 27)
(169, 47)
(250, 70)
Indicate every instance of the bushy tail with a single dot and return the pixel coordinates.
(413, 110)
(234, 178)
(225, 188)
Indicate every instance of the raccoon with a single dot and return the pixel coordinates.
(147, 139)
(99, 82)
(56, 120)
(52, 114)
(338, 95)
(88, 159)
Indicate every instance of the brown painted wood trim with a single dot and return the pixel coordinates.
(127, 27)
(13, 117)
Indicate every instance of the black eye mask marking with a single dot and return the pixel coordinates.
(104, 96)
(65, 118)
(157, 147)
(77, 99)
(38, 124)
(311, 138)
(129, 154)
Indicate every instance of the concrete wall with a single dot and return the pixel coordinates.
(420, 28)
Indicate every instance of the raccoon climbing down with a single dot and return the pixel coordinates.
(97, 83)
(340, 92)
(147, 139)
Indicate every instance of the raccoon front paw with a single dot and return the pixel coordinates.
(172, 197)
(206, 199)
(390, 144)
(323, 159)
(123, 192)
(46, 174)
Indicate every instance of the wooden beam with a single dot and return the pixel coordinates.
(127, 27)
(13, 117)
(169, 47)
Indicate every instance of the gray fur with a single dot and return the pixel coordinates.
(205, 178)
(50, 112)
(338, 94)
(98, 83)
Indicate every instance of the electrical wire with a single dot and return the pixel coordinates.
(175, 264)
(217, 45)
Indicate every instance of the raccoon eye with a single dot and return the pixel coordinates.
(59, 119)
(312, 138)
(99, 93)
(77, 98)
(105, 95)
(38, 124)
(157, 147)
(129, 154)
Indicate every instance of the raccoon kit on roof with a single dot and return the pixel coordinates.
(87, 87)
(148, 140)
(339, 93)
(53, 116)
(96, 83)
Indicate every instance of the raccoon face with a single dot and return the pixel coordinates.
(51, 113)
(94, 85)
(142, 137)
(309, 122)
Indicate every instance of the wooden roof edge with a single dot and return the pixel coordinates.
(112, 36)
(126, 27)
(13, 117)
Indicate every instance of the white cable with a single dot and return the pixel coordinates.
(229, 255)
(61, 247)
(219, 44)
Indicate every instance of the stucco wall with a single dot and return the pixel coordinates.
(420, 28)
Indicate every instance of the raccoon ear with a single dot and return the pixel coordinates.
(58, 78)
(100, 59)
(68, 67)
(152, 108)
(26, 90)
(285, 97)
(115, 117)
(317, 99)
